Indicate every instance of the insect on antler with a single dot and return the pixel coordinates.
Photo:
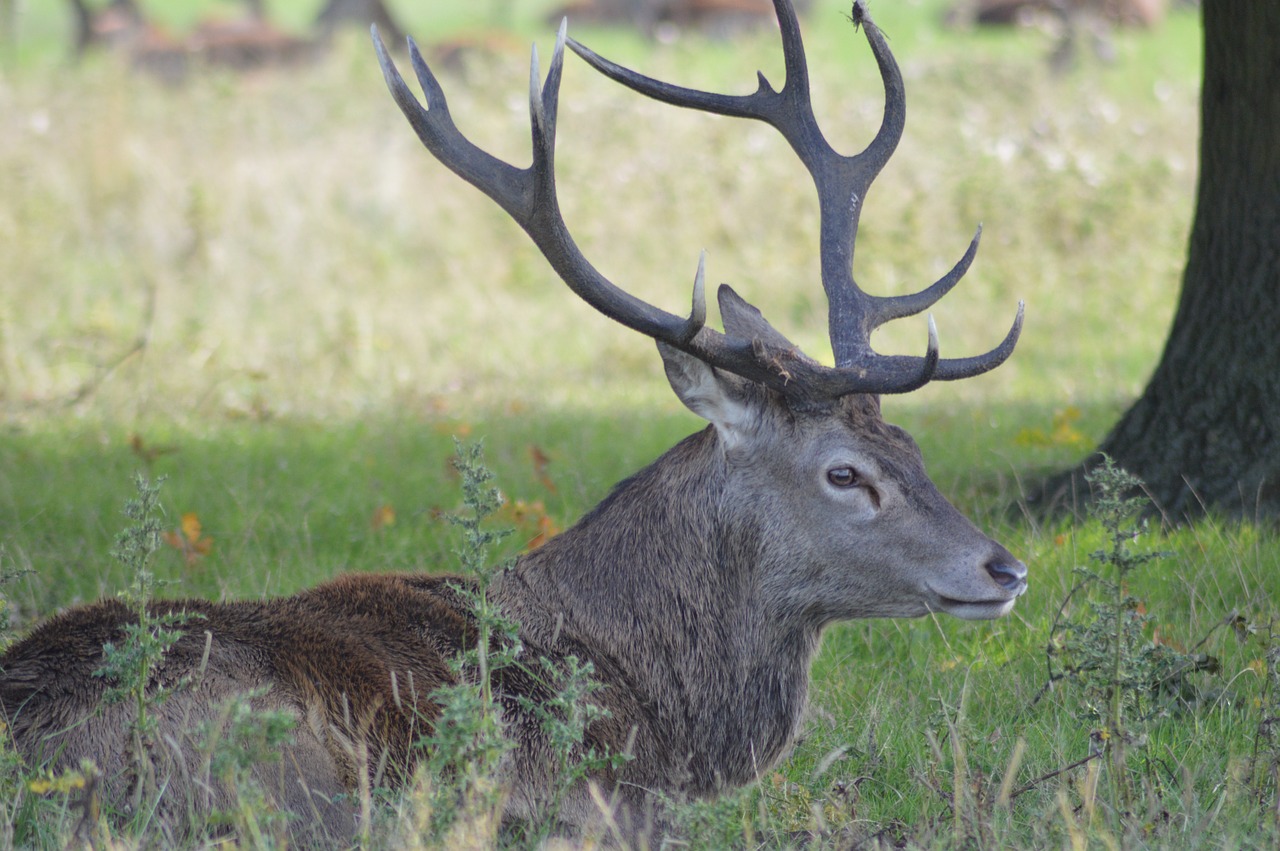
(529, 196)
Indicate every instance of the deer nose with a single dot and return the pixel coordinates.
(1010, 576)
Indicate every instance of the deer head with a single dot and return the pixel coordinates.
(751, 354)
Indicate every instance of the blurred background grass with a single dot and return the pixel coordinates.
(306, 258)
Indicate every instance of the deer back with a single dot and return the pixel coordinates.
(353, 662)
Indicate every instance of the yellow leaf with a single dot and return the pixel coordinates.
(383, 515)
(454, 428)
(190, 538)
(62, 783)
(1062, 431)
(540, 462)
(1032, 437)
(147, 452)
(191, 526)
(531, 519)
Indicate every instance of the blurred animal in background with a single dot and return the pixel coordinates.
(359, 13)
(1144, 13)
(119, 22)
(1071, 20)
(243, 43)
(250, 41)
(667, 18)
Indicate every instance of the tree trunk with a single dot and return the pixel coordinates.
(118, 20)
(362, 12)
(1206, 432)
(9, 27)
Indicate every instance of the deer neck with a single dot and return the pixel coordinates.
(663, 596)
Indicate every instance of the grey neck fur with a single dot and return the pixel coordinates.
(711, 685)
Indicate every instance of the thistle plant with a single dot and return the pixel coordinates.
(564, 718)
(128, 667)
(467, 741)
(497, 637)
(1104, 645)
(8, 574)
(238, 739)
(1263, 773)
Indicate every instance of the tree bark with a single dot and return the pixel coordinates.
(1205, 434)
(363, 12)
(89, 30)
(8, 27)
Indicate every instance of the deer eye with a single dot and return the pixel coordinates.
(843, 477)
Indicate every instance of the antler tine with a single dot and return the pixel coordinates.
(528, 195)
(895, 94)
(736, 106)
(434, 126)
(888, 308)
(698, 313)
(544, 104)
(954, 369)
(788, 110)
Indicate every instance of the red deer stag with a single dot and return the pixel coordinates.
(241, 44)
(699, 589)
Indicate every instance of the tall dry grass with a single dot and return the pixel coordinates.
(284, 246)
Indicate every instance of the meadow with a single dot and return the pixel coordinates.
(261, 288)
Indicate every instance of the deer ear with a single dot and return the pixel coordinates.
(716, 396)
(744, 320)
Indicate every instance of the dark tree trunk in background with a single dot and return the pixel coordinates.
(1206, 432)
(8, 23)
(337, 13)
(118, 20)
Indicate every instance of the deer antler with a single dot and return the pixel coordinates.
(529, 197)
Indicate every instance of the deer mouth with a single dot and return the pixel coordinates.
(997, 605)
(975, 610)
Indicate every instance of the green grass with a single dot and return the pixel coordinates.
(323, 307)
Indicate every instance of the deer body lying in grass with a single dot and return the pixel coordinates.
(699, 589)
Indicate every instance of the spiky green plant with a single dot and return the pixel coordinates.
(467, 740)
(147, 637)
(1104, 645)
(237, 740)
